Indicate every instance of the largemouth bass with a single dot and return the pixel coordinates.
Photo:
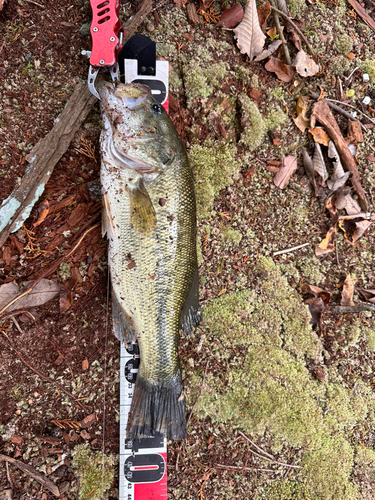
(149, 216)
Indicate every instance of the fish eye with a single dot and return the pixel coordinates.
(156, 108)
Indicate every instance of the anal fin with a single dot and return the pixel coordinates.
(123, 323)
(191, 314)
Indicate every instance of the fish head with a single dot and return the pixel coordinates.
(141, 134)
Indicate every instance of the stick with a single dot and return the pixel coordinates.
(342, 112)
(43, 377)
(282, 37)
(242, 468)
(35, 3)
(38, 476)
(50, 270)
(132, 24)
(42, 160)
(295, 27)
(353, 107)
(256, 446)
(354, 309)
(287, 250)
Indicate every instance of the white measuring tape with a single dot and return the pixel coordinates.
(143, 463)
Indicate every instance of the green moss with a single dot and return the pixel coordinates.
(253, 125)
(344, 44)
(276, 118)
(279, 94)
(64, 271)
(296, 7)
(339, 64)
(249, 79)
(268, 387)
(200, 81)
(88, 467)
(368, 66)
(370, 337)
(214, 165)
(229, 234)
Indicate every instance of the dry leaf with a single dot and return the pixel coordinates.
(272, 32)
(66, 299)
(317, 292)
(281, 5)
(43, 210)
(354, 229)
(339, 176)
(301, 122)
(250, 37)
(263, 12)
(231, 17)
(316, 307)
(85, 364)
(319, 164)
(320, 135)
(328, 244)
(88, 421)
(369, 295)
(44, 291)
(283, 72)
(345, 201)
(331, 206)
(269, 51)
(294, 38)
(309, 168)
(305, 65)
(287, 169)
(347, 292)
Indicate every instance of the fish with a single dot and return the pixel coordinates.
(149, 217)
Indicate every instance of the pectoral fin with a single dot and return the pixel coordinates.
(123, 322)
(143, 217)
(107, 219)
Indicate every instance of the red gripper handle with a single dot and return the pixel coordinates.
(105, 28)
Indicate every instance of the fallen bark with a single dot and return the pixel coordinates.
(323, 115)
(42, 160)
(362, 13)
(132, 24)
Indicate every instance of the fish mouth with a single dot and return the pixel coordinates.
(132, 95)
(127, 162)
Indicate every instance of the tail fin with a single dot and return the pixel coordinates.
(157, 408)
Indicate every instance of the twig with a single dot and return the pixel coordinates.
(339, 110)
(132, 24)
(38, 476)
(287, 250)
(200, 394)
(35, 3)
(220, 466)
(256, 446)
(354, 309)
(50, 270)
(43, 377)
(280, 32)
(295, 27)
(337, 252)
(8, 475)
(17, 325)
(353, 107)
(351, 74)
(272, 460)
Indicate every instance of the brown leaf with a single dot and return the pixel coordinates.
(16, 439)
(66, 299)
(320, 135)
(353, 229)
(294, 38)
(283, 72)
(317, 292)
(88, 421)
(316, 307)
(44, 291)
(331, 206)
(369, 295)
(85, 364)
(328, 244)
(269, 51)
(288, 167)
(250, 37)
(43, 210)
(263, 12)
(319, 164)
(231, 17)
(347, 202)
(347, 292)
(305, 65)
(339, 176)
(301, 122)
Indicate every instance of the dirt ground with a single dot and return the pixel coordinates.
(52, 366)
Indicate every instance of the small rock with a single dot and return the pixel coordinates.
(85, 29)
(28, 56)
(56, 84)
(150, 27)
(6, 494)
(48, 53)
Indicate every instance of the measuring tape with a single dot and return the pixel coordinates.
(143, 463)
